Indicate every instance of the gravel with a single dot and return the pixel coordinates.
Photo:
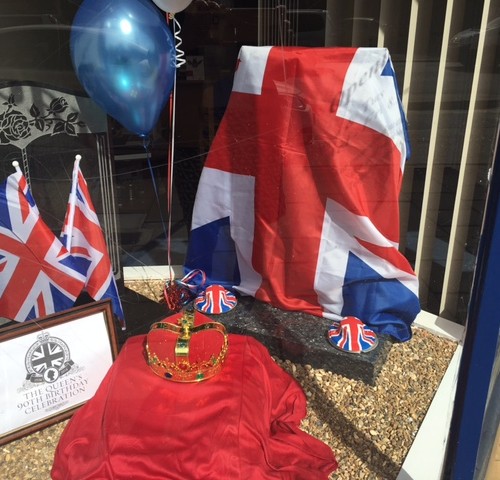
(369, 428)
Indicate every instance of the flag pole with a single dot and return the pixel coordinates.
(72, 202)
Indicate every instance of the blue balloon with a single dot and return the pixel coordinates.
(123, 53)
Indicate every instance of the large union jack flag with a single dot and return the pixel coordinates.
(297, 204)
(83, 237)
(38, 276)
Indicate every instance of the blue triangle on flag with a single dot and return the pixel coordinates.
(385, 304)
(212, 250)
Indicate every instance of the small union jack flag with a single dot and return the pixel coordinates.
(83, 237)
(215, 299)
(351, 335)
(38, 276)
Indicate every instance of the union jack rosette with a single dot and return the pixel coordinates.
(351, 335)
(215, 300)
(178, 293)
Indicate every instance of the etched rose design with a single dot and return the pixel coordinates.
(58, 105)
(13, 126)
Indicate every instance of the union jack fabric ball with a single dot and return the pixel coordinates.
(215, 300)
(351, 335)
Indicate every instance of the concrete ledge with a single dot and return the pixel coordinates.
(432, 437)
(440, 326)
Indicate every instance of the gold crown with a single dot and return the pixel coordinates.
(191, 350)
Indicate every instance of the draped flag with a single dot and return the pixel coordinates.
(297, 203)
(83, 237)
(37, 274)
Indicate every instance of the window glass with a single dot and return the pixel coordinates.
(446, 59)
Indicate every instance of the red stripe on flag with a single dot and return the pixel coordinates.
(42, 311)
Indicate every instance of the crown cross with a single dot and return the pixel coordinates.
(182, 345)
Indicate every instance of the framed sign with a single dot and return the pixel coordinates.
(51, 366)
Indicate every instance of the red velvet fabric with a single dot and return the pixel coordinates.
(241, 424)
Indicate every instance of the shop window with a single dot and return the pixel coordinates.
(446, 59)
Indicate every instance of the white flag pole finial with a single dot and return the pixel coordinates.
(15, 164)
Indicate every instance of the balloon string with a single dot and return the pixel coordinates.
(170, 171)
(170, 153)
(179, 58)
(166, 231)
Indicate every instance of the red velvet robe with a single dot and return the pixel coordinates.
(241, 424)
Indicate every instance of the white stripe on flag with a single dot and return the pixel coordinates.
(338, 239)
(365, 86)
(230, 195)
(250, 70)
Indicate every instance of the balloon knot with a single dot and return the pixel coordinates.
(146, 141)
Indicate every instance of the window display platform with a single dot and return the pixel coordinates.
(370, 429)
(302, 338)
(292, 336)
